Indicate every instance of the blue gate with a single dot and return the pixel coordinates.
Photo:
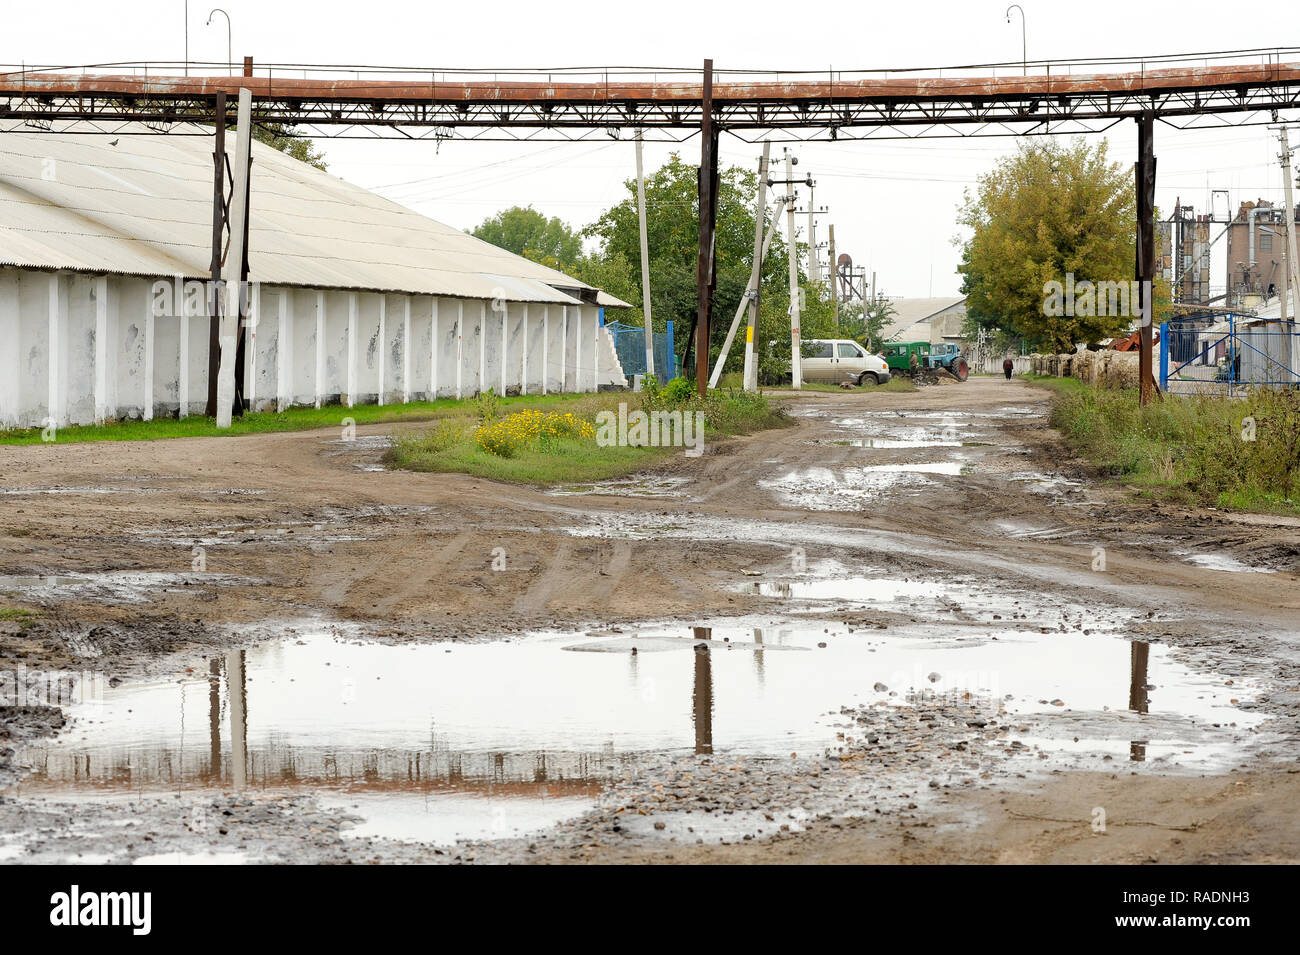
(629, 343)
(1227, 354)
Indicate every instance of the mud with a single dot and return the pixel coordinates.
(942, 532)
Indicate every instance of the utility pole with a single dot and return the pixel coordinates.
(760, 249)
(226, 387)
(1293, 263)
(1145, 175)
(749, 298)
(835, 292)
(814, 267)
(218, 233)
(645, 263)
(708, 199)
(796, 357)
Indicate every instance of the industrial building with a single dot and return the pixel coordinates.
(933, 320)
(105, 254)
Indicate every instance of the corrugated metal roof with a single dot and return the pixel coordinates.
(144, 207)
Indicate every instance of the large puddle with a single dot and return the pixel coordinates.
(438, 742)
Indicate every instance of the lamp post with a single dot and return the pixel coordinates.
(1024, 49)
(229, 56)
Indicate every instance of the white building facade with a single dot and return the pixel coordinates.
(352, 299)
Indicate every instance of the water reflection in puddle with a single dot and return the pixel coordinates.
(436, 743)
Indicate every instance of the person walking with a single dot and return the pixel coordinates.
(1008, 366)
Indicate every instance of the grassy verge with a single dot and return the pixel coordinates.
(16, 615)
(560, 456)
(1242, 453)
(293, 419)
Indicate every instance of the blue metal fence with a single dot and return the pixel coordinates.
(1227, 354)
(629, 342)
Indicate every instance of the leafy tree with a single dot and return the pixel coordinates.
(528, 233)
(672, 227)
(1049, 210)
(281, 136)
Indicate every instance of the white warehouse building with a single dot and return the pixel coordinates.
(353, 298)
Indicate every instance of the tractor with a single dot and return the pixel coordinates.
(945, 355)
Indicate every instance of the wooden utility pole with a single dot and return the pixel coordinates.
(213, 297)
(705, 268)
(645, 262)
(1145, 172)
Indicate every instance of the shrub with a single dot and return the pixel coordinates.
(487, 405)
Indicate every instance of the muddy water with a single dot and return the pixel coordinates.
(436, 743)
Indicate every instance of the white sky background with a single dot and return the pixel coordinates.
(893, 204)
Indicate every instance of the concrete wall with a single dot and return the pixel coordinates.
(81, 348)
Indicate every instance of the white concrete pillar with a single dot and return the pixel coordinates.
(546, 345)
(523, 352)
(482, 346)
(250, 344)
(352, 348)
(11, 353)
(284, 352)
(58, 326)
(101, 349)
(505, 347)
(183, 368)
(577, 350)
(150, 333)
(383, 348)
(320, 348)
(564, 348)
(595, 357)
(406, 349)
(433, 351)
(460, 345)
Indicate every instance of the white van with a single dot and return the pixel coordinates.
(837, 360)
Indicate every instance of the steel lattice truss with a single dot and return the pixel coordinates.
(1184, 92)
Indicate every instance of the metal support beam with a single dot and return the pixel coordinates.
(705, 266)
(1145, 172)
(218, 230)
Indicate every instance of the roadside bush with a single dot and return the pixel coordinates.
(1242, 452)
(487, 405)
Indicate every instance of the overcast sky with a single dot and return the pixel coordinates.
(893, 204)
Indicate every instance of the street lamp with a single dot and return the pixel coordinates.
(230, 60)
(1024, 54)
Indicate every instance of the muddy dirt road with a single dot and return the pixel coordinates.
(932, 637)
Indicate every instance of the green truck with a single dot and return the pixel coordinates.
(945, 355)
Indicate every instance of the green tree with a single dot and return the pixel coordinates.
(672, 227)
(1049, 210)
(282, 137)
(528, 233)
